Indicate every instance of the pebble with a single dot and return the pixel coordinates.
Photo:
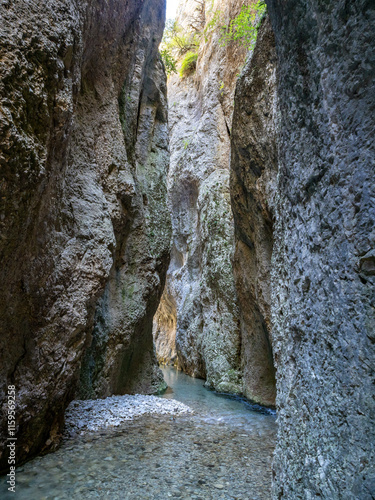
(152, 456)
(92, 415)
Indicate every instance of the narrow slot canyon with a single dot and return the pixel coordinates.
(187, 248)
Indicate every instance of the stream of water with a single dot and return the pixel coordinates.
(222, 451)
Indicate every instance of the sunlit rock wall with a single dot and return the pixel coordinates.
(164, 328)
(85, 232)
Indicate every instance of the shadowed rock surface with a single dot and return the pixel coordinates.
(85, 231)
(253, 184)
(323, 294)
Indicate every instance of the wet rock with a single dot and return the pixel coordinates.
(85, 230)
(154, 456)
(218, 486)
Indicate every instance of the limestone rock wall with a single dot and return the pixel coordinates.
(322, 287)
(253, 186)
(85, 231)
(200, 277)
(303, 196)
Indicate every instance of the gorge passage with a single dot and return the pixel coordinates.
(220, 219)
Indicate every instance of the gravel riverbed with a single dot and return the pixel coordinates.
(133, 448)
(90, 415)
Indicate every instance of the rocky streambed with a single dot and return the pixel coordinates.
(84, 416)
(188, 444)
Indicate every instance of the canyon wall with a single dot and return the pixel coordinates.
(214, 317)
(253, 185)
(85, 230)
(310, 203)
(199, 310)
(323, 276)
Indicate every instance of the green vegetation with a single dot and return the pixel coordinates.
(241, 29)
(188, 64)
(181, 41)
(178, 42)
(169, 61)
(244, 27)
(175, 44)
(213, 24)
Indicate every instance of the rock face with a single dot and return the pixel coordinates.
(164, 328)
(323, 267)
(318, 214)
(200, 278)
(253, 185)
(84, 225)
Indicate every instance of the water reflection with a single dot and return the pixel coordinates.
(208, 404)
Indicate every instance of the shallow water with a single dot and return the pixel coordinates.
(211, 406)
(223, 451)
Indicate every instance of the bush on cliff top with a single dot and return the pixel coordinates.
(175, 43)
(178, 42)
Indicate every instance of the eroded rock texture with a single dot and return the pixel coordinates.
(200, 277)
(253, 184)
(84, 227)
(323, 276)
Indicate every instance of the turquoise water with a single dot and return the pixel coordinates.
(213, 407)
(223, 451)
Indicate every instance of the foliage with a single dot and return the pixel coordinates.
(176, 43)
(188, 64)
(241, 29)
(169, 61)
(244, 27)
(212, 24)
